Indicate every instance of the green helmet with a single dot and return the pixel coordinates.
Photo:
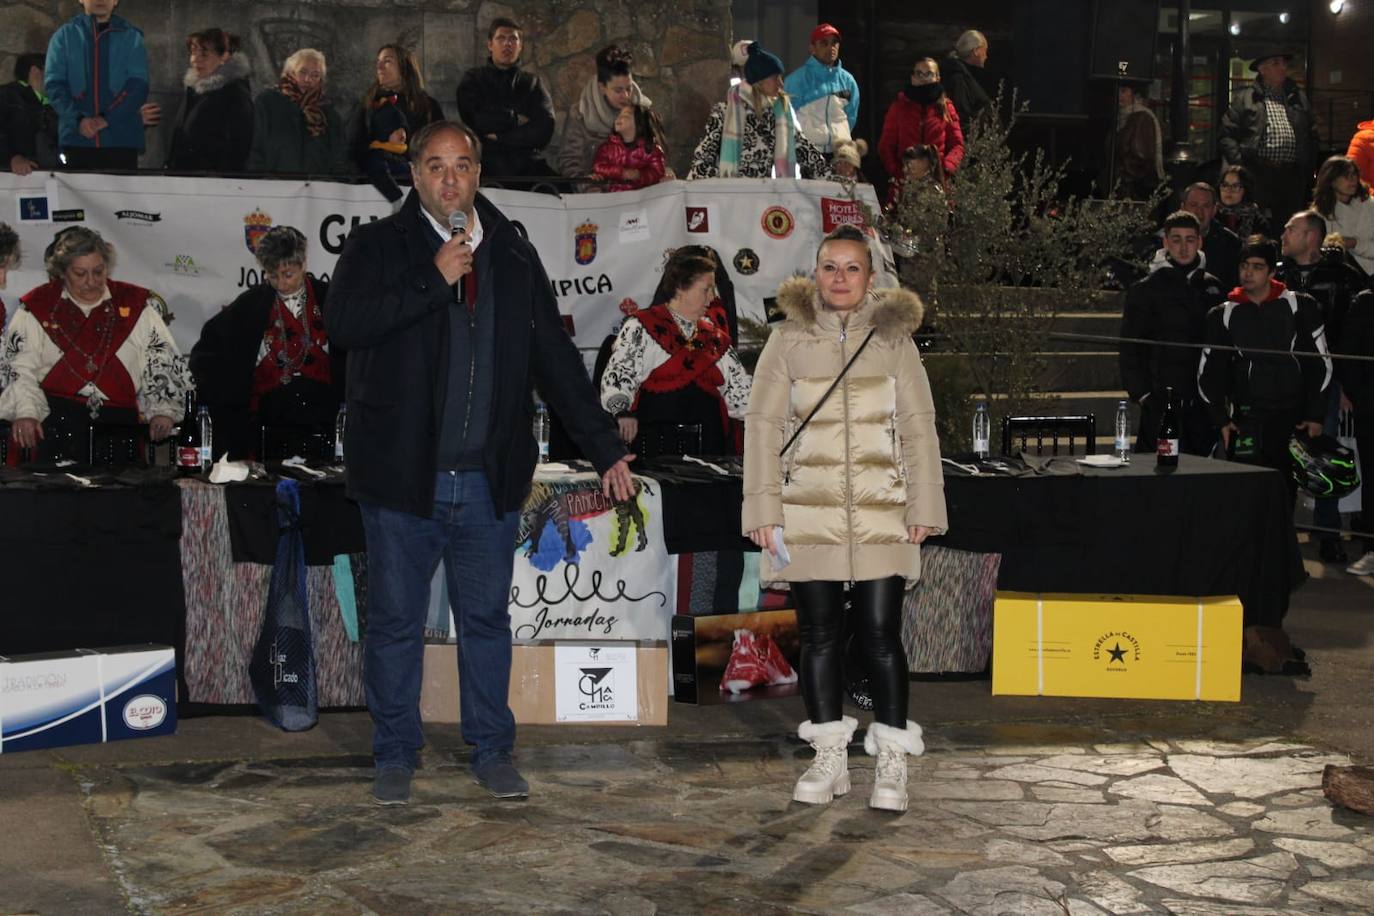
(1322, 466)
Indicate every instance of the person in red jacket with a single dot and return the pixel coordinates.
(632, 156)
(922, 113)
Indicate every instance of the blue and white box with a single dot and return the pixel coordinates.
(86, 696)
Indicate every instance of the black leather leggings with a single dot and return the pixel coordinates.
(876, 606)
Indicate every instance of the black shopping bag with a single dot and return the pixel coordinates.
(283, 665)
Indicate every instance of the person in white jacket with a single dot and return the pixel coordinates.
(1342, 198)
(825, 94)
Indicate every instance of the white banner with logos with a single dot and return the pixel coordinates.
(190, 239)
(587, 568)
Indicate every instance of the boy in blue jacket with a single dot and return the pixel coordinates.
(96, 77)
(824, 94)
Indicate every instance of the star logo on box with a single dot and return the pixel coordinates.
(698, 219)
(584, 243)
(746, 261)
(255, 226)
(1116, 645)
(777, 222)
(836, 212)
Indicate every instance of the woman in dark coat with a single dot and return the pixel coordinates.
(265, 360)
(215, 128)
(398, 84)
(295, 130)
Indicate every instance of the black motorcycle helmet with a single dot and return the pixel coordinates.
(1322, 466)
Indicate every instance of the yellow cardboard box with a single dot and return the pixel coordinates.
(1143, 646)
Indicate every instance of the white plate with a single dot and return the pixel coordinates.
(1102, 461)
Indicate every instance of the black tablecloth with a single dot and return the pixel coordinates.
(1208, 528)
(85, 567)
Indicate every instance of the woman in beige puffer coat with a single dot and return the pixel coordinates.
(850, 500)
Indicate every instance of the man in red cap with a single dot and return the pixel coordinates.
(825, 94)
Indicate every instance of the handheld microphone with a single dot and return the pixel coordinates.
(458, 222)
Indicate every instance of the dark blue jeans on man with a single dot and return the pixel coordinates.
(403, 550)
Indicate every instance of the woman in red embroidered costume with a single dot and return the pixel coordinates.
(84, 349)
(265, 362)
(673, 380)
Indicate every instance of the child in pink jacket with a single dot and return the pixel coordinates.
(632, 156)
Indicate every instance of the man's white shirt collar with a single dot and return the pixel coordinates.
(445, 233)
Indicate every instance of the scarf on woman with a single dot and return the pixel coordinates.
(738, 102)
(308, 100)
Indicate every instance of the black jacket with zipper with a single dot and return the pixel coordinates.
(390, 308)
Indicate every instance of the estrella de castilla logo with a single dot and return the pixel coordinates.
(1122, 644)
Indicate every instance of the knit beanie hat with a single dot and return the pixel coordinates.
(761, 64)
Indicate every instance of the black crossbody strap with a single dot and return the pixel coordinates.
(828, 392)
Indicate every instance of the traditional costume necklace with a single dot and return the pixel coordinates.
(102, 352)
(289, 365)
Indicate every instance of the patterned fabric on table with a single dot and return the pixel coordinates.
(224, 609)
(947, 616)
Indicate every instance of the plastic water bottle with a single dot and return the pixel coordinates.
(541, 430)
(982, 431)
(207, 438)
(1121, 444)
(340, 422)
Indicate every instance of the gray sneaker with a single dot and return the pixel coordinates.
(392, 786)
(499, 776)
(1364, 566)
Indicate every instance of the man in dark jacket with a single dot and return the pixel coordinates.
(961, 85)
(447, 331)
(28, 124)
(1357, 384)
(1257, 401)
(1333, 282)
(1170, 305)
(1270, 130)
(508, 108)
(1219, 244)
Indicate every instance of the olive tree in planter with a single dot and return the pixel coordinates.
(994, 265)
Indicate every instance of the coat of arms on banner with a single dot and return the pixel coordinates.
(255, 226)
(584, 243)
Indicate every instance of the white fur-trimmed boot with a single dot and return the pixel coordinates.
(828, 774)
(891, 745)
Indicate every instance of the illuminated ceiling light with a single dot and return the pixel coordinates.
(1235, 28)
(1283, 18)
(1337, 6)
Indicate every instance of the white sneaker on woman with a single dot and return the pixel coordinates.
(1364, 566)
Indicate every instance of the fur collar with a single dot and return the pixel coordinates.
(895, 313)
(232, 69)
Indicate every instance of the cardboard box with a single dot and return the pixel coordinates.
(1141, 646)
(702, 647)
(86, 696)
(533, 690)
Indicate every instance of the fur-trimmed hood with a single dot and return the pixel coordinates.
(234, 68)
(895, 313)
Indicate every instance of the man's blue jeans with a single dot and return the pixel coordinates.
(403, 550)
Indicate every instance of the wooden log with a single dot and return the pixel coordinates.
(1350, 787)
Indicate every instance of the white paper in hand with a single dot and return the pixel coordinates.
(779, 553)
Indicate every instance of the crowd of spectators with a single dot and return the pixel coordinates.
(84, 105)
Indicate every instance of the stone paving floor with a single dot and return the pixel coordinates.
(702, 824)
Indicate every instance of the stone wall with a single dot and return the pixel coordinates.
(680, 46)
